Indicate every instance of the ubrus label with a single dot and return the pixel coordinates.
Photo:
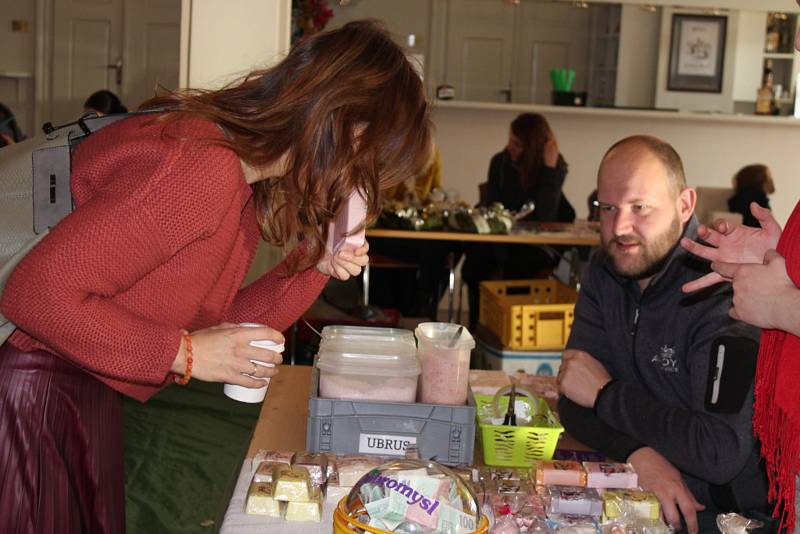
(386, 445)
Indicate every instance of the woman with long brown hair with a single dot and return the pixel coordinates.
(140, 286)
(529, 170)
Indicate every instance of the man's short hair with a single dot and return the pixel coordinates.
(667, 155)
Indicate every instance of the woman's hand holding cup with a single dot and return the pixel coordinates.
(224, 353)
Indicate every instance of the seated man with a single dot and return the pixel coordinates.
(642, 378)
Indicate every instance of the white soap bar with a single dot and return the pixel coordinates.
(306, 511)
(260, 501)
(292, 484)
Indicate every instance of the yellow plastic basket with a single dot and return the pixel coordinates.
(518, 446)
(528, 314)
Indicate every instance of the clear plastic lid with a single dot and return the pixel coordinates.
(448, 336)
(368, 357)
(367, 333)
(414, 496)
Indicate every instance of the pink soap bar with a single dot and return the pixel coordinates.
(610, 475)
(340, 232)
(560, 473)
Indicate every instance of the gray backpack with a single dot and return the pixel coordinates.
(35, 192)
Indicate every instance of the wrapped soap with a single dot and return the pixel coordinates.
(630, 503)
(277, 457)
(332, 473)
(310, 510)
(512, 486)
(352, 468)
(574, 500)
(265, 472)
(573, 524)
(316, 464)
(260, 500)
(506, 473)
(610, 475)
(560, 473)
(292, 484)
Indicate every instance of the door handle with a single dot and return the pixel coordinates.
(117, 66)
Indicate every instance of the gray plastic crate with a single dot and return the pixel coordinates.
(442, 433)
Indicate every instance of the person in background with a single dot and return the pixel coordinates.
(634, 377)
(594, 210)
(751, 184)
(104, 102)
(529, 169)
(415, 293)
(10, 131)
(140, 286)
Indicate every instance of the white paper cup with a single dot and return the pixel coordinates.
(254, 395)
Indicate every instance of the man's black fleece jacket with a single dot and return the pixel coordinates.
(656, 344)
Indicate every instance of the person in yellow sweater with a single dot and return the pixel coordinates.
(414, 293)
(427, 180)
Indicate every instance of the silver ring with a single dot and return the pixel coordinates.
(255, 370)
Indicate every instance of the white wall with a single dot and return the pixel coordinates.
(225, 39)
(222, 40)
(712, 150)
(637, 60)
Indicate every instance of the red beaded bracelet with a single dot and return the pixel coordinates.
(187, 373)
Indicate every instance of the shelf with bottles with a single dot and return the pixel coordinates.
(780, 34)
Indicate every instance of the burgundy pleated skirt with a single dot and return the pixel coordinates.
(61, 448)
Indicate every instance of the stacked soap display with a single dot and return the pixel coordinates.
(586, 497)
(292, 486)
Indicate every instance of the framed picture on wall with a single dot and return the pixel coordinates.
(697, 53)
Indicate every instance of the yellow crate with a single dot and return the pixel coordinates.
(528, 314)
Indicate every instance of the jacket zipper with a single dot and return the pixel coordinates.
(634, 331)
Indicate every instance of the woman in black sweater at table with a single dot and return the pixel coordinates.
(530, 168)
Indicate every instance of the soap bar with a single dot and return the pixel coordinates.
(574, 524)
(610, 475)
(265, 472)
(278, 457)
(332, 474)
(292, 484)
(560, 473)
(505, 473)
(306, 511)
(630, 502)
(574, 500)
(260, 501)
(316, 464)
(352, 468)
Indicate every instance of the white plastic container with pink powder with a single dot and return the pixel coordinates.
(444, 350)
(370, 365)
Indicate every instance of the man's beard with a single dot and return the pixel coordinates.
(651, 255)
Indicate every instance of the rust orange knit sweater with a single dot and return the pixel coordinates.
(162, 237)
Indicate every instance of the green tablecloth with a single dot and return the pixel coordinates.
(183, 452)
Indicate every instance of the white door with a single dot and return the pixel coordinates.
(551, 36)
(87, 38)
(125, 46)
(480, 49)
(152, 48)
